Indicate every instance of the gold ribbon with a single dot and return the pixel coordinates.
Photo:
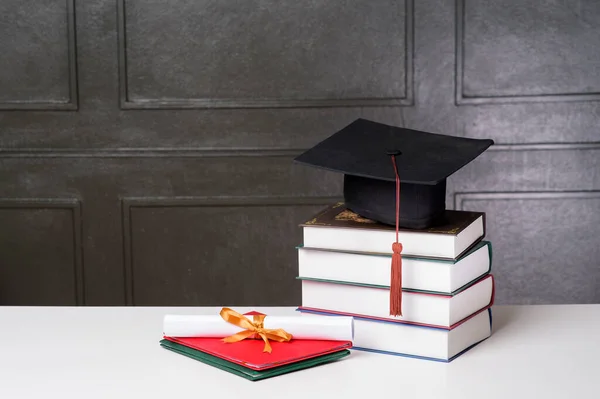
(252, 328)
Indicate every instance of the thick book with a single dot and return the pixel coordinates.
(249, 373)
(338, 228)
(418, 308)
(429, 343)
(438, 276)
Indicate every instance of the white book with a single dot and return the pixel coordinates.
(417, 308)
(337, 228)
(418, 274)
(416, 341)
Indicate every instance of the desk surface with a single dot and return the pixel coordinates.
(86, 352)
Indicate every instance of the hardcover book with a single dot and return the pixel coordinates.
(429, 343)
(435, 276)
(338, 228)
(418, 308)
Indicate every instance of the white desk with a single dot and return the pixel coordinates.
(47, 352)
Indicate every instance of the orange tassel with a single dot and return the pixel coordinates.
(396, 281)
(396, 275)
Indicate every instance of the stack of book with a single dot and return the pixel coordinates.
(447, 287)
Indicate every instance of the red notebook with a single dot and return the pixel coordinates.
(249, 352)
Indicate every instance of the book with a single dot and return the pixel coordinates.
(249, 352)
(249, 373)
(338, 228)
(418, 308)
(439, 276)
(429, 343)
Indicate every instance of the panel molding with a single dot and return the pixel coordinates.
(283, 102)
(546, 147)
(129, 203)
(461, 197)
(236, 152)
(460, 97)
(73, 205)
(72, 104)
(148, 152)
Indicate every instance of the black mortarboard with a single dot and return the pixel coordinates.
(363, 152)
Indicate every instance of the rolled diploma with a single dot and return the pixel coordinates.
(338, 328)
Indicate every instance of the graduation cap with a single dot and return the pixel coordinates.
(394, 175)
(365, 152)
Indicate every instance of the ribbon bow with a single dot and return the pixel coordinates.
(252, 328)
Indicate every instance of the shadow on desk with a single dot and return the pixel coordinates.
(502, 318)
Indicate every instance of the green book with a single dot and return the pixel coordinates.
(424, 275)
(252, 375)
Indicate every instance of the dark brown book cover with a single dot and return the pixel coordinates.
(337, 215)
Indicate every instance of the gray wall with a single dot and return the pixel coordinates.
(146, 146)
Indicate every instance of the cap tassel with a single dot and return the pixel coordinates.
(396, 275)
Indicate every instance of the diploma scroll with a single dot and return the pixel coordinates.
(335, 328)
